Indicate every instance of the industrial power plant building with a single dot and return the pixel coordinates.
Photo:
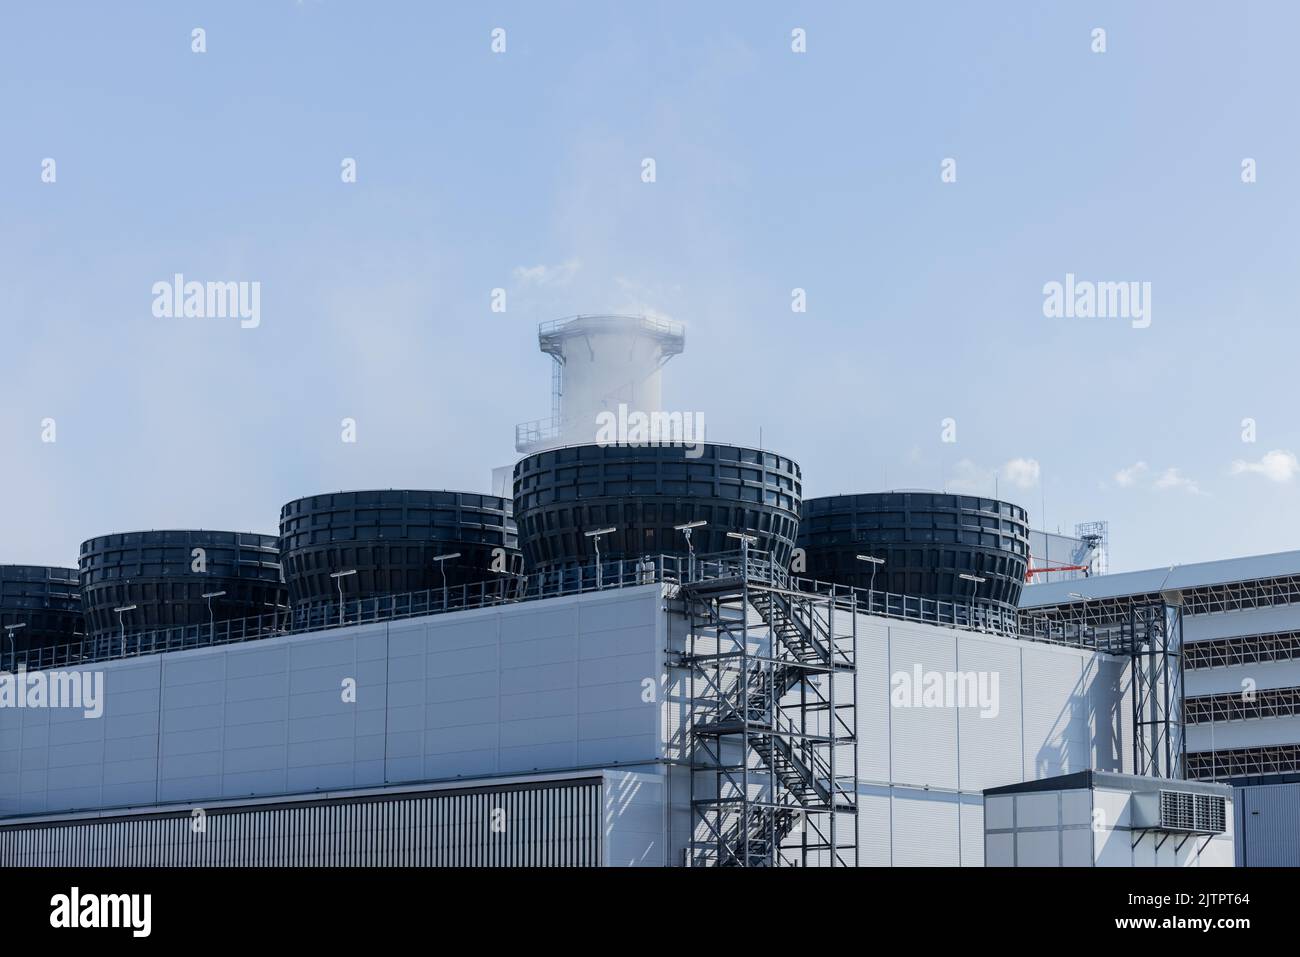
(1241, 656)
(653, 653)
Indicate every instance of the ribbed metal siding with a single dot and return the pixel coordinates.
(556, 825)
(1268, 825)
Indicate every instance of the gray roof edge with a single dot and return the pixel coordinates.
(1150, 580)
(1083, 780)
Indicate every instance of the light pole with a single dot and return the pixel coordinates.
(212, 622)
(685, 529)
(13, 646)
(977, 580)
(338, 579)
(442, 567)
(745, 542)
(595, 537)
(121, 621)
(1085, 599)
(875, 563)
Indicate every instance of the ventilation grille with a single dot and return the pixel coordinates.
(1177, 811)
(1211, 814)
(1194, 813)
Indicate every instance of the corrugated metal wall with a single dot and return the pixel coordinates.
(1268, 825)
(550, 825)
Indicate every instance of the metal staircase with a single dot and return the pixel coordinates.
(772, 718)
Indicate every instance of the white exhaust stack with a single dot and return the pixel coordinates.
(600, 363)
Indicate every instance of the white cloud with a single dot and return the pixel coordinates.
(968, 477)
(639, 300)
(1128, 477)
(1022, 473)
(972, 478)
(1134, 476)
(548, 275)
(1276, 466)
(1172, 478)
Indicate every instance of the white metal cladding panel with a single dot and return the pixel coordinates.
(549, 825)
(972, 832)
(1113, 808)
(1242, 734)
(550, 685)
(923, 739)
(1109, 706)
(636, 820)
(1038, 848)
(1076, 807)
(1038, 809)
(1113, 847)
(555, 685)
(991, 740)
(1218, 852)
(873, 699)
(874, 833)
(1056, 718)
(1248, 621)
(1000, 812)
(78, 759)
(926, 829)
(1269, 833)
(1000, 850)
(1076, 847)
(1264, 674)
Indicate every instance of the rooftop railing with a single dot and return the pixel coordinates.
(673, 570)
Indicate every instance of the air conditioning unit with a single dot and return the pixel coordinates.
(1179, 811)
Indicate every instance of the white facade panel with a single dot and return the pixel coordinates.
(1247, 621)
(923, 737)
(991, 738)
(972, 832)
(1112, 847)
(1038, 848)
(1076, 809)
(874, 717)
(1000, 811)
(874, 829)
(926, 829)
(635, 819)
(1252, 732)
(1076, 847)
(1056, 712)
(525, 687)
(1040, 809)
(1000, 850)
(1110, 718)
(1232, 679)
(1115, 807)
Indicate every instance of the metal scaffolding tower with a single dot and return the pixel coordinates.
(1156, 656)
(1148, 630)
(773, 718)
(1096, 534)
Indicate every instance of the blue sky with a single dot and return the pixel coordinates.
(775, 170)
